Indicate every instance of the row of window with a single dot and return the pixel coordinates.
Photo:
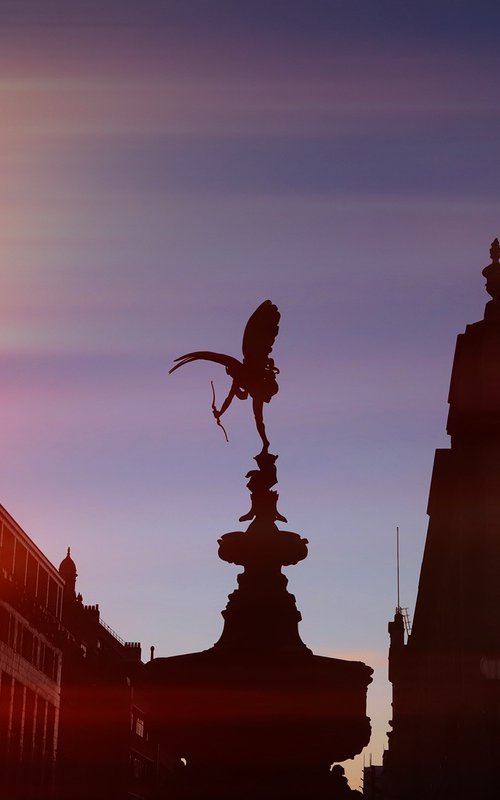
(30, 646)
(27, 722)
(16, 560)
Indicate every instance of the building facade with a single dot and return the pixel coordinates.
(70, 724)
(445, 739)
(104, 745)
(31, 595)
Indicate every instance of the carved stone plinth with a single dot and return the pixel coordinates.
(261, 615)
(258, 715)
(247, 722)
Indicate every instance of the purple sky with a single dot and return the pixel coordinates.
(165, 168)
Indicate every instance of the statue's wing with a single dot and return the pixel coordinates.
(231, 364)
(260, 332)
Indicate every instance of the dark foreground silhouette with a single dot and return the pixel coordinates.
(445, 739)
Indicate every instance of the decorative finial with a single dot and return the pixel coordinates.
(69, 552)
(492, 271)
(263, 499)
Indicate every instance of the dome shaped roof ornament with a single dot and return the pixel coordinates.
(67, 567)
(67, 571)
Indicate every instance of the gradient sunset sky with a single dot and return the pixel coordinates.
(166, 167)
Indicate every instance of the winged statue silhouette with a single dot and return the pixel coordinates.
(255, 376)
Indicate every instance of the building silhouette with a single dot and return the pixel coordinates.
(31, 598)
(70, 726)
(104, 745)
(445, 739)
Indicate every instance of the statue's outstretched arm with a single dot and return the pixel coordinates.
(227, 402)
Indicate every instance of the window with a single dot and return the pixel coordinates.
(17, 719)
(27, 645)
(41, 655)
(43, 580)
(139, 727)
(5, 700)
(29, 725)
(13, 632)
(18, 642)
(7, 550)
(50, 730)
(20, 562)
(31, 575)
(52, 599)
(4, 624)
(49, 662)
(41, 713)
(138, 768)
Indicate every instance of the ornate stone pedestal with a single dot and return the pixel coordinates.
(258, 716)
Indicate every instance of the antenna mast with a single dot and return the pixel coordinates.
(403, 611)
(398, 609)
